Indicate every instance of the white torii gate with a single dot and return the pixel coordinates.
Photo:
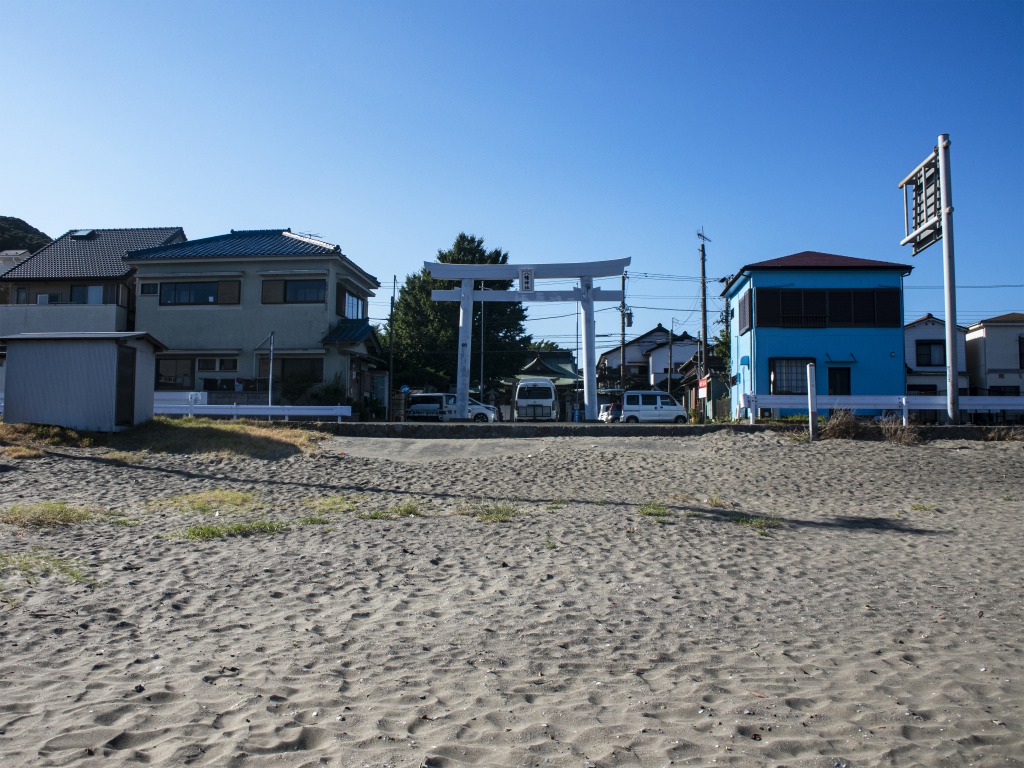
(586, 294)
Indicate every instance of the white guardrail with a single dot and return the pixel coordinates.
(896, 403)
(285, 412)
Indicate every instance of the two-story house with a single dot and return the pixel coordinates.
(843, 314)
(638, 368)
(78, 282)
(669, 355)
(254, 309)
(995, 355)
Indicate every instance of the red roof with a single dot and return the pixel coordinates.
(1013, 318)
(817, 260)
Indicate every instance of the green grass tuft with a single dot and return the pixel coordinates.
(762, 525)
(210, 532)
(655, 509)
(330, 505)
(493, 513)
(315, 520)
(405, 509)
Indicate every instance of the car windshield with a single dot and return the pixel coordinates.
(534, 393)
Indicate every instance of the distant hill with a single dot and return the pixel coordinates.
(15, 235)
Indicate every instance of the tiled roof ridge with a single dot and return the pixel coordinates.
(311, 240)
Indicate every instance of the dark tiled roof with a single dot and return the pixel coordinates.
(90, 253)
(1012, 318)
(240, 243)
(349, 332)
(817, 260)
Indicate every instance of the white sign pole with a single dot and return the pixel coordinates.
(812, 403)
(946, 191)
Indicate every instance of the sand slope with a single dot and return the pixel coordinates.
(879, 624)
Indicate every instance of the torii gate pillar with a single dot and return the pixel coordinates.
(585, 294)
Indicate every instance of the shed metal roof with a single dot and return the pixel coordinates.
(84, 336)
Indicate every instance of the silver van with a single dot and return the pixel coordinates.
(651, 405)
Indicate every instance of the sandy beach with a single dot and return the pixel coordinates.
(725, 599)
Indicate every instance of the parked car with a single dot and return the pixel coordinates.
(535, 400)
(651, 406)
(610, 413)
(438, 406)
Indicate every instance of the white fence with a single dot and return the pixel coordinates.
(194, 404)
(285, 412)
(902, 404)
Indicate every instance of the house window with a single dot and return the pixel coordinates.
(21, 295)
(821, 308)
(188, 294)
(86, 294)
(294, 291)
(839, 380)
(931, 352)
(744, 313)
(206, 364)
(353, 307)
(310, 369)
(1020, 352)
(789, 375)
(1004, 391)
(175, 373)
(149, 289)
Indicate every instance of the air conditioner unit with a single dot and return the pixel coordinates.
(43, 298)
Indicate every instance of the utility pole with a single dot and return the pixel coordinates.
(703, 306)
(391, 348)
(703, 316)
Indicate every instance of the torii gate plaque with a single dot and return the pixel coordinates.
(586, 294)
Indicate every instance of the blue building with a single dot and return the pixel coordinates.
(843, 314)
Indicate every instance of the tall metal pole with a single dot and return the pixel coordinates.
(946, 192)
(671, 344)
(622, 336)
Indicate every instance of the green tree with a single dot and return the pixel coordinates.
(722, 347)
(16, 235)
(426, 332)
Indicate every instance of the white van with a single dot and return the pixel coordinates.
(439, 406)
(651, 406)
(535, 400)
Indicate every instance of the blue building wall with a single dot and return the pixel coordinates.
(874, 356)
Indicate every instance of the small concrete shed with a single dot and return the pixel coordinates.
(99, 382)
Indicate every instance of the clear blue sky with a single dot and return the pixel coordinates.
(557, 131)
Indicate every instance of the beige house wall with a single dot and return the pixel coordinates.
(235, 330)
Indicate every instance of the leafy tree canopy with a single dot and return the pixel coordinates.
(426, 332)
(16, 235)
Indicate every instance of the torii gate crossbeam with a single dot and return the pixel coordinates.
(585, 294)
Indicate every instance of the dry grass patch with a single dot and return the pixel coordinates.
(21, 452)
(894, 432)
(38, 562)
(210, 502)
(42, 434)
(47, 513)
(255, 439)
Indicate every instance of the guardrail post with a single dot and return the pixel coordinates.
(906, 414)
(752, 407)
